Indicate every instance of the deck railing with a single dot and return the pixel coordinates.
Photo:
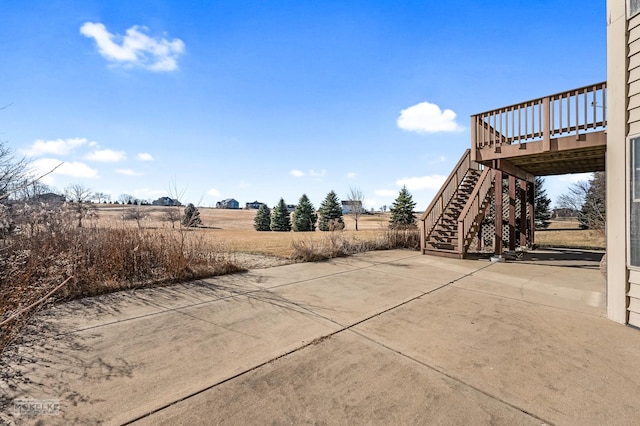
(470, 215)
(432, 215)
(563, 114)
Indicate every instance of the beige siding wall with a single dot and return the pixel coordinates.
(634, 298)
(633, 75)
(633, 120)
(618, 64)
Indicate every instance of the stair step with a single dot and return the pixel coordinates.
(442, 253)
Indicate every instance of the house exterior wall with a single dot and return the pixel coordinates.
(621, 125)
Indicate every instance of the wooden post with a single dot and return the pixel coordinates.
(523, 213)
(497, 247)
(512, 212)
(532, 213)
(474, 138)
(546, 123)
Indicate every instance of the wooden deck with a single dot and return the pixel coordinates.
(557, 134)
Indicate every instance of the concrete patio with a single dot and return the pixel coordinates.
(389, 337)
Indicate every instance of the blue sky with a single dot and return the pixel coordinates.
(257, 100)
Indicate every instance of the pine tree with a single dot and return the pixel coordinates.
(280, 220)
(541, 203)
(304, 216)
(330, 213)
(402, 211)
(593, 213)
(191, 217)
(262, 221)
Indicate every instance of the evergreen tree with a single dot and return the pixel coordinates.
(262, 221)
(330, 213)
(280, 220)
(402, 211)
(191, 217)
(541, 203)
(304, 216)
(593, 213)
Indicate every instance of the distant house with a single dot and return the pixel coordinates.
(229, 203)
(291, 208)
(51, 198)
(253, 205)
(565, 212)
(166, 201)
(349, 207)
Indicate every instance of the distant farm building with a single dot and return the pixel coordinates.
(229, 203)
(253, 205)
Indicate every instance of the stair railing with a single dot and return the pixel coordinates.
(471, 216)
(433, 214)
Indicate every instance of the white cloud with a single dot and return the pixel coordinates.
(55, 147)
(386, 192)
(214, 192)
(426, 117)
(128, 172)
(351, 175)
(145, 156)
(422, 182)
(297, 173)
(575, 178)
(135, 48)
(73, 168)
(321, 173)
(106, 156)
(443, 158)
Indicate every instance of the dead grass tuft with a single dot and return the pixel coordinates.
(98, 261)
(337, 244)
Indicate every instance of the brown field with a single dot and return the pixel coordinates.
(234, 229)
(567, 233)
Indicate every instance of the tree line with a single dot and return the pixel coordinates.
(329, 216)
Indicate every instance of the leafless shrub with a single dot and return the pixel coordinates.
(135, 213)
(336, 244)
(99, 260)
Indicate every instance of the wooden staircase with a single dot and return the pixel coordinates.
(453, 219)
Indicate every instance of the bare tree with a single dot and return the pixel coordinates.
(13, 172)
(587, 198)
(355, 198)
(136, 213)
(126, 199)
(172, 215)
(101, 197)
(80, 198)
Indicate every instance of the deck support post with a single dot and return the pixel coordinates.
(532, 212)
(523, 213)
(512, 212)
(497, 247)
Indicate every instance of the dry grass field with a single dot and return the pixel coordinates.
(234, 230)
(567, 233)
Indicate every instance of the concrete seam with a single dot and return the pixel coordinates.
(451, 377)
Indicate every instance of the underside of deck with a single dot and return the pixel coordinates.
(565, 155)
